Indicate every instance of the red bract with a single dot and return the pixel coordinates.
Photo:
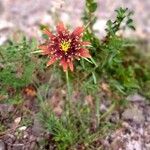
(65, 46)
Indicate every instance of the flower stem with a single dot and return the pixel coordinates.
(68, 89)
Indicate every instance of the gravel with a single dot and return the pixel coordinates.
(134, 114)
(28, 15)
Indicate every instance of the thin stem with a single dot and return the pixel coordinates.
(89, 23)
(68, 86)
(68, 89)
(109, 111)
(69, 100)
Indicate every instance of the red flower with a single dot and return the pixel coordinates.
(65, 46)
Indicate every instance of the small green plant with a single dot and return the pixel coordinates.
(109, 54)
(18, 65)
(63, 132)
(19, 68)
(123, 15)
(70, 130)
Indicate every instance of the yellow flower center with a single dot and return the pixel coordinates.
(65, 45)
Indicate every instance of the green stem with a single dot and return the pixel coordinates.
(68, 86)
(109, 111)
(68, 89)
(69, 92)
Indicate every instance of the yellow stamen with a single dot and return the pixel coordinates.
(65, 45)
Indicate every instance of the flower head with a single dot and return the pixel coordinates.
(65, 46)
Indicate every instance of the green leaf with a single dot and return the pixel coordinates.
(132, 27)
(129, 21)
(92, 7)
(118, 86)
(94, 78)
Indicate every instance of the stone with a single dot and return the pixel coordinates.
(23, 128)
(147, 146)
(2, 145)
(1, 7)
(134, 145)
(18, 146)
(103, 108)
(114, 117)
(37, 127)
(147, 113)
(135, 114)
(117, 144)
(135, 98)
